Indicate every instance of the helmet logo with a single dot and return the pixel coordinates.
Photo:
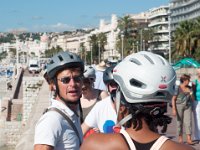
(163, 78)
(162, 86)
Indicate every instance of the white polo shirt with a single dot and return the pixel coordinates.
(52, 129)
(102, 116)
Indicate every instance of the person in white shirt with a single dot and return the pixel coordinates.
(53, 131)
(103, 115)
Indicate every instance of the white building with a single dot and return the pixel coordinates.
(159, 22)
(73, 43)
(182, 10)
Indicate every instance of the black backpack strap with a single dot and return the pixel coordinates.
(68, 120)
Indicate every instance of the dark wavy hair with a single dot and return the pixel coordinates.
(185, 77)
(146, 111)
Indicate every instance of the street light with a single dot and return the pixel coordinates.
(137, 46)
(91, 53)
(169, 26)
(17, 53)
(144, 45)
(122, 55)
(141, 40)
(99, 50)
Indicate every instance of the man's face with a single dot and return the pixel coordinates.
(70, 84)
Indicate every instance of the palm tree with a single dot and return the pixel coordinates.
(183, 38)
(127, 27)
(93, 39)
(102, 41)
(196, 38)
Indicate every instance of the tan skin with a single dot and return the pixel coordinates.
(115, 141)
(184, 87)
(71, 91)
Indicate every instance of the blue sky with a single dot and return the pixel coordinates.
(62, 15)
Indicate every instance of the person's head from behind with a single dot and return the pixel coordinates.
(185, 79)
(48, 80)
(109, 80)
(146, 82)
(88, 78)
(65, 69)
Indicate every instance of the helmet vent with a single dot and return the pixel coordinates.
(51, 62)
(60, 58)
(160, 94)
(149, 59)
(136, 83)
(135, 61)
(71, 56)
(164, 63)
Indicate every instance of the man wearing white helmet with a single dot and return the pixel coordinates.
(146, 81)
(59, 128)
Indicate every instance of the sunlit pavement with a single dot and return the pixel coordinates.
(171, 130)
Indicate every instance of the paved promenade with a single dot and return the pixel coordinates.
(26, 143)
(171, 130)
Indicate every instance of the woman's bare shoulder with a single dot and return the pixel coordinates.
(169, 144)
(99, 141)
(104, 94)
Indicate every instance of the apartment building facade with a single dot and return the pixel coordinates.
(159, 23)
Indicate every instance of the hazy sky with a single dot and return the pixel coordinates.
(62, 15)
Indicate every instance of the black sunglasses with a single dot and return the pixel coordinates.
(66, 80)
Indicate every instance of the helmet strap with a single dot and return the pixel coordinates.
(124, 120)
(118, 98)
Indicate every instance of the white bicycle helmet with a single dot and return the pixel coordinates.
(89, 72)
(145, 77)
(63, 60)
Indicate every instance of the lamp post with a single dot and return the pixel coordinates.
(169, 27)
(91, 53)
(17, 53)
(141, 41)
(137, 46)
(99, 50)
(144, 45)
(122, 37)
(81, 52)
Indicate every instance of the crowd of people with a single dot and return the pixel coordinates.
(116, 106)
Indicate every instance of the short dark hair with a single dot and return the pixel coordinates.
(184, 77)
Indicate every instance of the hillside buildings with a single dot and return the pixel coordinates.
(163, 20)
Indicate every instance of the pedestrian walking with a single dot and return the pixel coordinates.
(196, 107)
(182, 108)
(145, 81)
(100, 68)
(60, 128)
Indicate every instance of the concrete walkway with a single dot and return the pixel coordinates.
(171, 130)
(26, 142)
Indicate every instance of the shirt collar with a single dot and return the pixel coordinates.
(62, 106)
